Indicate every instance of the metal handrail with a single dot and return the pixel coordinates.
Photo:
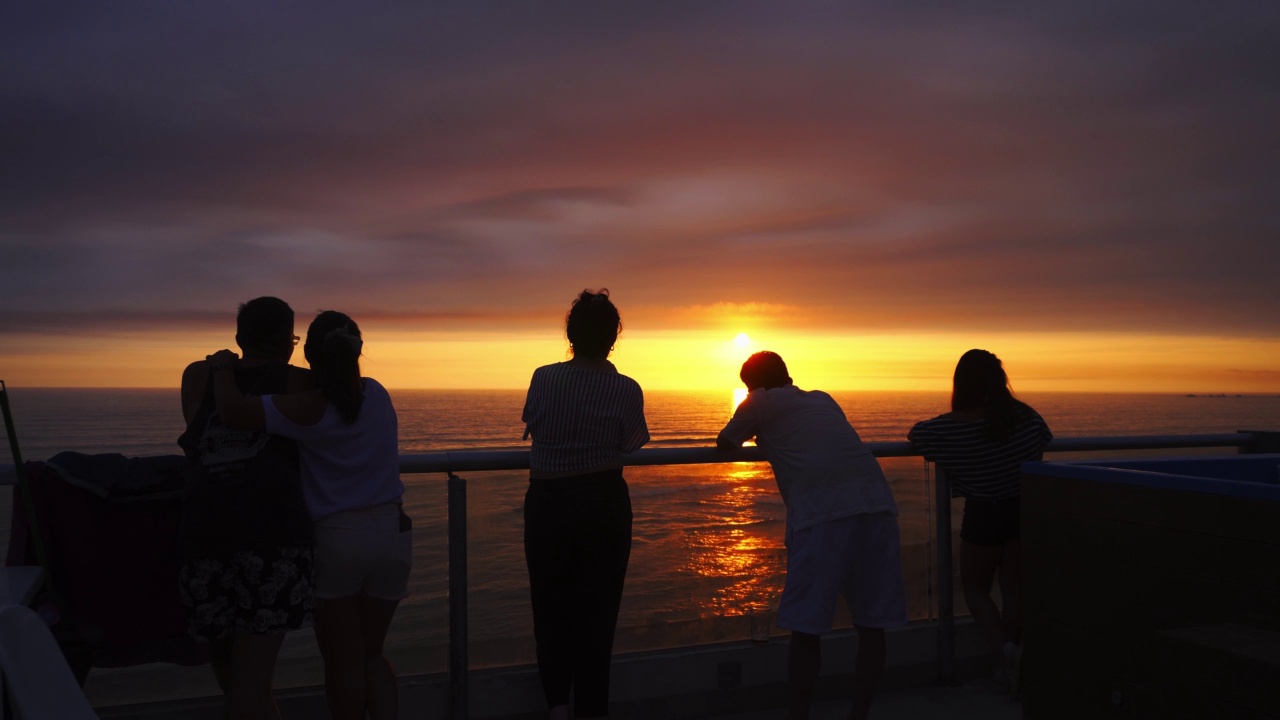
(484, 460)
(454, 461)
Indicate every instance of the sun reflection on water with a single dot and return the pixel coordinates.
(740, 556)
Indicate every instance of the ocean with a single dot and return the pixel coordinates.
(707, 562)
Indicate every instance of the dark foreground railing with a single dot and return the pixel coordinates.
(453, 462)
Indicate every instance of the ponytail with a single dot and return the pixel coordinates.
(333, 348)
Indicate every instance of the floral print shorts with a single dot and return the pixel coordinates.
(262, 591)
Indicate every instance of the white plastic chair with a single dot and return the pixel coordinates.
(19, 584)
(39, 682)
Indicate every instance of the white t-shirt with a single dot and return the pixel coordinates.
(346, 467)
(824, 472)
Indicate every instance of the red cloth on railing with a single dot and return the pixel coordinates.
(115, 566)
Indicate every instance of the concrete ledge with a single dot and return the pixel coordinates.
(692, 682)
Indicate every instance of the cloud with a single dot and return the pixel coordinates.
(923, 166)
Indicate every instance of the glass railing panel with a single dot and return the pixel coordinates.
(417, 642)
(499, 622)
(708, 559)
(708, 565)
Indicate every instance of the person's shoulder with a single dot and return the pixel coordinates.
(944, 420)
(550, 369)
(377, 392)
(1030, 417)
(196, 368)
(628, 382)
(1028, 411)
(791, 394)
(816, 396)
(194, 384)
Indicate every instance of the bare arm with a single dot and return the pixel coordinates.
(741, 428)
(236, 409)
(245, 411)
(193, 386)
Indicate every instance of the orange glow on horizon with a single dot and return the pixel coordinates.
(696, 360)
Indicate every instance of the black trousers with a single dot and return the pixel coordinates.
(577, 541)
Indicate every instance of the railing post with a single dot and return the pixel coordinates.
(946, 593)
(458, 661)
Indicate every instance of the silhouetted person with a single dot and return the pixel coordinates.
(347, 433)
(246, 538)
(842, 526)
(982, 444)
(583, 416)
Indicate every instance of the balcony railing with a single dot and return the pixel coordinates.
(451, 463)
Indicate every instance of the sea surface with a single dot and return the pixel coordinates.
(707, 562)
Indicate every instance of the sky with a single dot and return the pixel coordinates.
(1089, 189)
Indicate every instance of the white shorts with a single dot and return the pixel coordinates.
(363, 550)
(856, 556)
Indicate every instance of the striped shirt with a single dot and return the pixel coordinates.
(979, 467)
(581, 419)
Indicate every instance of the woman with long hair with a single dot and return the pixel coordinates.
(346, 432)
(982, 444)
(583, 416)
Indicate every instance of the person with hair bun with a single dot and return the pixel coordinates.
(583, 416)
(346, 431)
(982, 444)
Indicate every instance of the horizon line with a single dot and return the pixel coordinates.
(1187, 393)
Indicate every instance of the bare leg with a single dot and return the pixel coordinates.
(341, 642)
(253, 661)
(220, 660)
(1011, 590)
(978, 565)
(381, 689)
(804, 661)
(867, 671)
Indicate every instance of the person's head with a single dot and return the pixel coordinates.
(333, 349)
(264, 329)
(592, 325)
(980, 382)
(764, 370)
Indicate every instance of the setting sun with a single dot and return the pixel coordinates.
(742, 341)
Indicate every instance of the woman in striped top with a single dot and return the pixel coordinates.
(583, 416)
(982, 444)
